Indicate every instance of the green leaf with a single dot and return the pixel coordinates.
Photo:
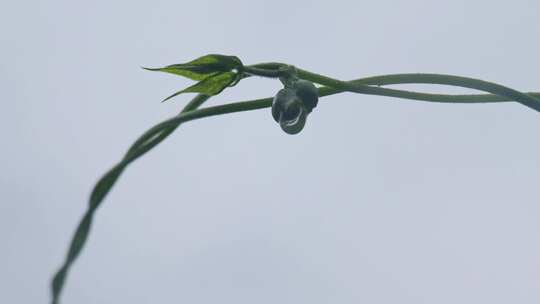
(210, 86)
(202, 67)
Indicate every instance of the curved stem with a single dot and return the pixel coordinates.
(160, 131)
(471, 83)
(101, 189)
(429, 97)
(108, 180)
(336, 86)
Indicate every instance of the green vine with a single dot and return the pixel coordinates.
(215, 73)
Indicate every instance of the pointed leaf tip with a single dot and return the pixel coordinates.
(173, 95)
(151, 69)
(202, 67)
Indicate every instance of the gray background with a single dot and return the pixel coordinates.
(378, 200)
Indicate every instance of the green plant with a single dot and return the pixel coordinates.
(290, 108)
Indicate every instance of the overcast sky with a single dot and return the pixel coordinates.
(377, 200)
